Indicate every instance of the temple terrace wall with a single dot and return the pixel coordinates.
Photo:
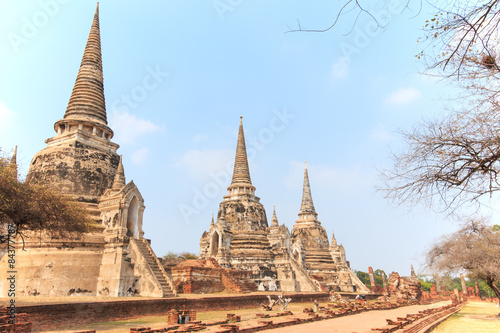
(58, 316)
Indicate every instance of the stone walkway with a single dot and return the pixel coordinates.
(360, 323)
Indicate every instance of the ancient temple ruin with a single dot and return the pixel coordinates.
(82, 162)
(241, 239)
(240, 246)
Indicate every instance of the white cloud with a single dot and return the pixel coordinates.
(403, 96)
(140, 156)
(128, 127)
(380, 134)
(341, 68)
(202, 163)
(6, 117)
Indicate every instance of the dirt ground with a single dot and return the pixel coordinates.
(361, 322)
(474, 317)
(354, 323)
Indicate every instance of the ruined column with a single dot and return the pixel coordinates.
(477, 290)
(438, 284)
(384, 282)
(464, 287)
(413, 275)
(372, 279)
(433, 290)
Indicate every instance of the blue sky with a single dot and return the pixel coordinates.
(336, 99)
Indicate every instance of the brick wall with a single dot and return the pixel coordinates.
(211, 279)
(58, 316)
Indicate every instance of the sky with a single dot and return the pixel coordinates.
(179, 74)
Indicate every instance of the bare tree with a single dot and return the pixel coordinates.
(474, 248)
(461, 38)
(454, 161)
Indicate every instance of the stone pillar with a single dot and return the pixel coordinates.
(372, 279)
(433, 290)
(477, 290)
(413, 275)
(384, 281)
(438, 284)
(464, 287)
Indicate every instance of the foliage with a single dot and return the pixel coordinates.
(33, 207)
(426, 282)
(365, 277)
(179, 256)
(450, 283)
(474, 248)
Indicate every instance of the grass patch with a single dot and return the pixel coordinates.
(475, 317)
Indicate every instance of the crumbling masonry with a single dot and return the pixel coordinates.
(302, 260)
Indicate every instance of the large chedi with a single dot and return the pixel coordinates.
(242, 239)
(82, 162)
(239, 238)
(310, 247)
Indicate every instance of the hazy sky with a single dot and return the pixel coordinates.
(177, 76)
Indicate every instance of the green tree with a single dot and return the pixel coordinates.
(31, 207)
(363, 276)
(179, 256)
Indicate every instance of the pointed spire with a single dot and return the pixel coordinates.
(307, 201)
(334, 241)
(413, 275)
(274, 221)
(87, 99)
(212, 223)
(119, 181)
(241, 172)
(13, 160)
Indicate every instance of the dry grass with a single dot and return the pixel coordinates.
(121, 326)
(475, 317)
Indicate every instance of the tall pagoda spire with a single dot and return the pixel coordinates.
(307, 211)
(274, 221)
(13, 163)
(87, 99)
(241, 173)
(119, 180)
(13, 160)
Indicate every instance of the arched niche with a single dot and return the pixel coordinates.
(133, 218)
(214, 244)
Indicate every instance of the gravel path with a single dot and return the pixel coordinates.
(362, 322)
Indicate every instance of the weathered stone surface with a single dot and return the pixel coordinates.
(79, 170)
(206, 276)
(302, 260)
(311, 249)
(81, 161)
(404, 287)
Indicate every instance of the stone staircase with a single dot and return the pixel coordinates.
(154, 264)
(306, 283)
